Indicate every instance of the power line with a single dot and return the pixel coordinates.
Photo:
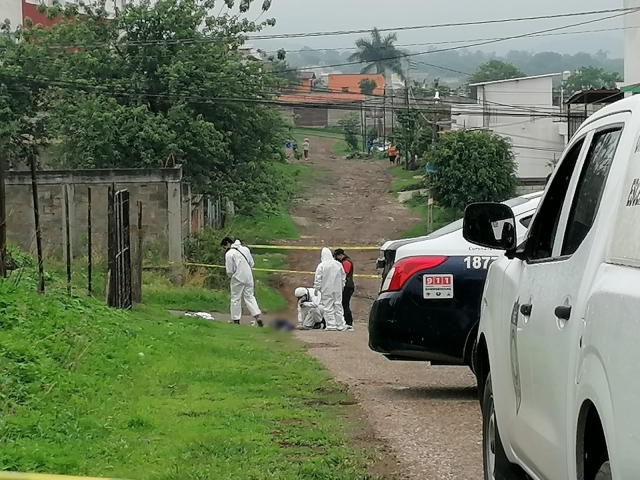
(440, 25)
(448, 42)
(206, 40)
(108, 91)
(487, 42)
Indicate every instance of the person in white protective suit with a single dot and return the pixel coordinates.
(239, 262)
(310, 312)
(329, 281)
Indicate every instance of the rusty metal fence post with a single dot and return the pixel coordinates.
(119, 250)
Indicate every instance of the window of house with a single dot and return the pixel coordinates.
(590, 188)
(543, 231)
(345, 89)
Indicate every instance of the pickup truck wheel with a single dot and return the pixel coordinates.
(605, 472)
(496, 464)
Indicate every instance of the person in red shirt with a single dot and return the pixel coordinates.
(349, 286)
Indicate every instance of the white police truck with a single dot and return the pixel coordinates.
(559, 337)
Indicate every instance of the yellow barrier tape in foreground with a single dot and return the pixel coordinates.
(42, 476)
(273, 270)
(316, 247)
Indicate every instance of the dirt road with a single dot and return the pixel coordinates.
(428, 416)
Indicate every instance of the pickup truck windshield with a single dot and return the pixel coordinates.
(457, 225)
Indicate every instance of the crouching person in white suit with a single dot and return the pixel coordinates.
(310, 312)
(239, 262)
(330, 279)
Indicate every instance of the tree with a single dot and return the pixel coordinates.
(491, 71)
(350, 126)
(367, 86)
(590, 77)
(495, 70)
(414, 134)
(122, 92)
(472, 166)
(379, 54)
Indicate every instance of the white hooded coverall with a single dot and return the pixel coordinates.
(309, 308)
(329, 281)
(239, 262)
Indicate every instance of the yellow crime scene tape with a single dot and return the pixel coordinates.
(273, 270)
(360, 248)
(43, 476)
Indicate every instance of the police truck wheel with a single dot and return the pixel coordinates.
(496, 464)
(605, 472)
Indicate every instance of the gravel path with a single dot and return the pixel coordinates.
(428, 416)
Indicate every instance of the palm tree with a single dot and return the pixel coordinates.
(379, 54)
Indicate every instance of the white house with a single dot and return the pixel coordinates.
(631, 48)
(521, 110)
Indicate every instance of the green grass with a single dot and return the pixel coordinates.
(194, 296)
(329, 132)
(263, 228)
(403, 180)
(87, 390)
(340, 147)
(441, 217)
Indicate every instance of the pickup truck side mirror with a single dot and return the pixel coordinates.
(490, 225)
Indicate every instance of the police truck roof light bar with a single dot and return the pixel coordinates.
(406, 268)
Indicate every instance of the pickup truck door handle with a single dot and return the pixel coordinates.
(526, 309)
(563, 312)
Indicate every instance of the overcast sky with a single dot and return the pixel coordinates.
(295, 16)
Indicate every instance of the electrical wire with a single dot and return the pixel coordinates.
(477, 44)
(441, 25)
(448, 42)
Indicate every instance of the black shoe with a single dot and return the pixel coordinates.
(260, 324)
(236, 322)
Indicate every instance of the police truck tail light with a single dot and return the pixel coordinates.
(406, 268)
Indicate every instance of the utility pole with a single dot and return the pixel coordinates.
(36, 215)
(3, 221)
(362, 125)
(406, 102)
(384, 115)
(436, 99)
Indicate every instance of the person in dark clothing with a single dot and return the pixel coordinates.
(349, 286)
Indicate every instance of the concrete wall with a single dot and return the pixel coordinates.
(531, 185)
(11, 10)
(521, 111)
(159, 190)
(529, 92)
(631, 44)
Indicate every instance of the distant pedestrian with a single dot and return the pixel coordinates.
(288, 146)
(369, 146)
(349, 286)
(295, 146)
(305, 148)
(392, 154)
(398, 157)
(239, 264)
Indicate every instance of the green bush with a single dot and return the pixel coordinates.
(472, 166)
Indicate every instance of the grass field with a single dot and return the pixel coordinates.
(340, 147)
(403, 181)
(86, 390)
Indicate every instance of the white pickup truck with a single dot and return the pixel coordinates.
(559, 339)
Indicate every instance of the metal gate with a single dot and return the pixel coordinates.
(119, 246)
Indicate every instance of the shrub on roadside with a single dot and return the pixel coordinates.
(472, 166)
